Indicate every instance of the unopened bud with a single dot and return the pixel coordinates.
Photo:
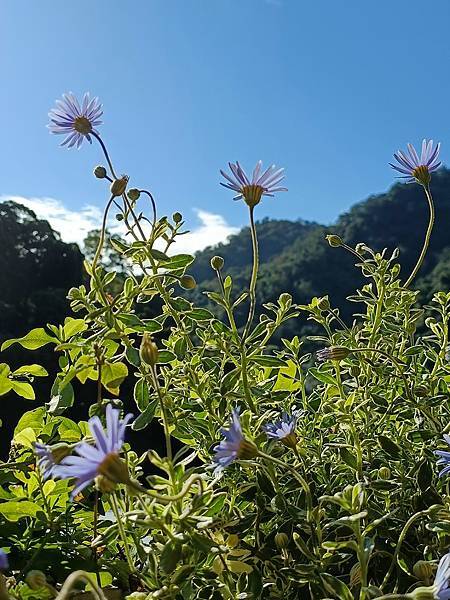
(133, 194)
(421, 391)
(100, 172)
(324, 303)
(35, 579)
(333, 353)
(188, 282)
(424, 571)
(177, 217)
(384, 473)
(118, 186)
(281, 540)
(148, 350)
(334, 240)
(355, 370)
(217, 263)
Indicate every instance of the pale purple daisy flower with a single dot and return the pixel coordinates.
(74, 120)
(265, 184)
(415, 168)
(441, 585)
(100, 459)
(283, 430)
(45, 459)
(444, 457)
(234, 445)
(4, 563)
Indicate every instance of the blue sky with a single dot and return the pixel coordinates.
(326, 89)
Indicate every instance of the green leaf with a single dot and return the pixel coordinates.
(23, 389)
(267, 361)
(113, 375)
(165, 356)
(200, 314)
(141, 394)
(36, 338)
(61, 398)
(73, 326)
(336, 587)
(5, 382)
(322, 376)
(389, 446)
(15, 510)
(349, 458)
(179, 261)
(34, 370)
(26, 437)
(146, 417)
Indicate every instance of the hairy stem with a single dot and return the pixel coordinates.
(427, 236)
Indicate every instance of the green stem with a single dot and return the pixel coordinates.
(402, 536)
(101, 241)
(245, 383)
(162, 405)
(427, 236)
(166, 498)
(71, 581)
(123, 535)
(254, 277)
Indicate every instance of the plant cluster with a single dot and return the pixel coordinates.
(284, 475)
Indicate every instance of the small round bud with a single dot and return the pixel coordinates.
(100, 172)
(281, 540)
(217, 263)
(360, 248)
(35, 579)
(148, 350)
(133, 194)
(177, 217)
(118, 186)
(355, 370)
(334, 240)
(384, 473)
(324, 303)
(188, 282)
(424, 571)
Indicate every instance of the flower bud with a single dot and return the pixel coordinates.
(148, 350)
(324, 303)
(333, 353)
(247, 450)
(334, 240)
(133, 194)
(424, 571)
(118, 186)
(421, 391)
(281, 540)
(355, 370)
(35, 579)
(100, 172)
(217, 263)
(177, 217)
(384, 473)
(188, 282)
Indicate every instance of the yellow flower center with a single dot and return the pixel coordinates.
(82, 125)
(422, 174)
(252, 194)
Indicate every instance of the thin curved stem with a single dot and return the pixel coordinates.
(105, 152)
(427, 236)
(101, 241)
(73, 578)
(254, 276)
(152, 200)
(154, 376)
(123, 535)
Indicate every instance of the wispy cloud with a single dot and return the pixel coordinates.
(73, 225)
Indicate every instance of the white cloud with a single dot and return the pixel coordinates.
(73, 225)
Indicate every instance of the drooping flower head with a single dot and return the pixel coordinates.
(100, 459)
(444, 457)
(234, 446)
(265, 184)
(4, 563)
(283, 430)
(74, 120)
(415, 168)
(332, 353)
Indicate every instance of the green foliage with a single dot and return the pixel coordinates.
(344, 508)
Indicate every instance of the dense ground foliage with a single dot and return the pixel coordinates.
(326, 484)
